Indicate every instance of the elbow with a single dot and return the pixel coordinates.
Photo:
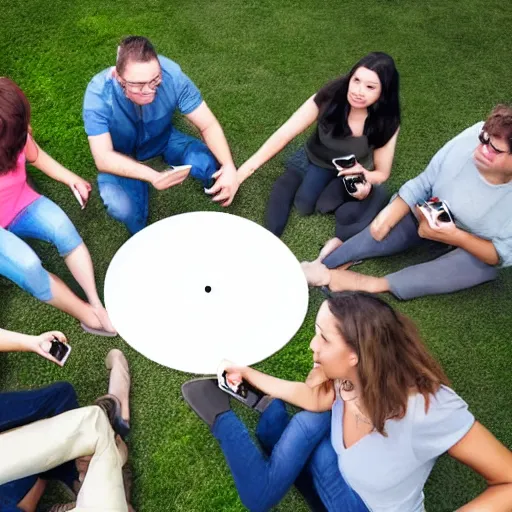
(101, 163)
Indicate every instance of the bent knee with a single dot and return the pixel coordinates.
(117, 202)
(303, 204)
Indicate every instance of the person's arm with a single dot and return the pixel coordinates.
(302, 119)
(226, 184)
(448, 233)
(382, 160)
(316, 394)
(483, 453)
(388, 218)
(110, 161)
(45, 163)
(16, 342)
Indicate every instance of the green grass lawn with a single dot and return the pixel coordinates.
(255, 63)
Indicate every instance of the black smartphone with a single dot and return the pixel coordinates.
(60, 350)
(351, 181)
(244, 392)
(344, 162)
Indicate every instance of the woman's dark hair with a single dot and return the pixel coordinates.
(383, 116)
(393, 361)
(136, 49)
(14, 123)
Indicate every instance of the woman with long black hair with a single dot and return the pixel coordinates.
(357, 114)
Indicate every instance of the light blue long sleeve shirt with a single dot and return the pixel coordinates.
(478, 207)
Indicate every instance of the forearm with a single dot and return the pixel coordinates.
(270, 148)
(45, 163)
(13, 341)
(113, 162)
(496, 498)
(395, 211)
(376, 177)
(295, 393)
(482, 249)
(216, 141)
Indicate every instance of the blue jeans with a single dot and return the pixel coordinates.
(20, 408)
(127, 200)
(42, 220)
(300, 452)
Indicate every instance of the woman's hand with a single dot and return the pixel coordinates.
(80, 188)
(363, 190)
(42, 344)
(316, 377)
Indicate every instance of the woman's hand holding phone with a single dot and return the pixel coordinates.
(81, 190)
(42, 345)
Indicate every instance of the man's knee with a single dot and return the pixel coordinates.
(203, 163)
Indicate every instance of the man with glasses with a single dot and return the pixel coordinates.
(128, 113)
(472, 175)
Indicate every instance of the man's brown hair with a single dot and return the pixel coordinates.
(499, 124)
(14, 123)
(393, 361)
(136, 49)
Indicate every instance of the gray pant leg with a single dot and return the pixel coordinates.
(454, 271)
(363, 246)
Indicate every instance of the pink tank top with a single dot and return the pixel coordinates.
(15, 193)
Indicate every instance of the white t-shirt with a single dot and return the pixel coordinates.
(389, 473)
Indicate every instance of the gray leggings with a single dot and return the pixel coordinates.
(455, 270)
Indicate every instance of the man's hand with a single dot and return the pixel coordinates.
(82, 188)
(444, 232)
(43, 343)
(226, 185)
(167, 179)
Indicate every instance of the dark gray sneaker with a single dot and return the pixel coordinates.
(206, 399)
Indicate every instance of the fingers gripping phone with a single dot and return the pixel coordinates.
(60, 350)
(243, 391)
(436, 211)
(350, 181)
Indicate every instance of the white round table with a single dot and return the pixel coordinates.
(193, 289)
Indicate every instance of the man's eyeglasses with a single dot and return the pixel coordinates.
(485, 139)
(139, 86)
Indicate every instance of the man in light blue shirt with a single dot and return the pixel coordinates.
(472, 173)
(128, 114)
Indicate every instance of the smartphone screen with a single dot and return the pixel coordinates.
(60, 350)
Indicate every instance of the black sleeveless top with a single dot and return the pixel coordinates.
(322, 147)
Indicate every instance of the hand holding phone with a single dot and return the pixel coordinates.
(237, 387)
(436, 212)
(349, 180)
(50, 345)
(172, 176)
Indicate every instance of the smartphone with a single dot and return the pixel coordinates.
(436, 211)
(243, 391)
(180, 169)
(344, 162)
(79, 198)
(351, 181)
(60, 350)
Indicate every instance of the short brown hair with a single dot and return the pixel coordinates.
(393, 361)
(14, 123)
(134, 48)
(499, 124)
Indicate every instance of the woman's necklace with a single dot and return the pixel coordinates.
(357, 413)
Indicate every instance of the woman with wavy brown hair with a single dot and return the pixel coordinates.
(378, 413)
(26, 214)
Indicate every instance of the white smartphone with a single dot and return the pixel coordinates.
(78, 198)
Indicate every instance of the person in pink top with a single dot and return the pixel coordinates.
(26, 214)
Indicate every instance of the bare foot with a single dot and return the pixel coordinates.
(329, 247)
(119, 383)
(317, 274)
(102, 315)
